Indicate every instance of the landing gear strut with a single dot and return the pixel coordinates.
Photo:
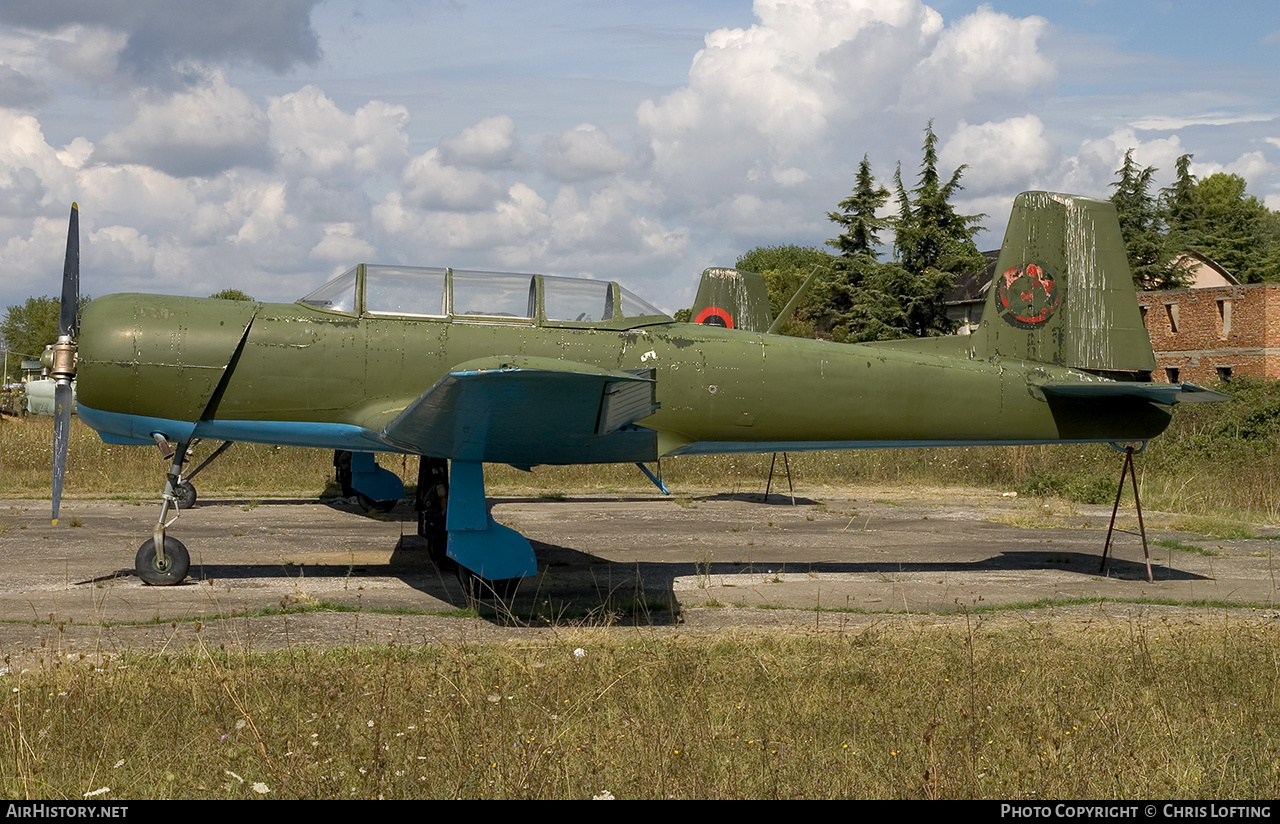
(432, 503)
(162, 560)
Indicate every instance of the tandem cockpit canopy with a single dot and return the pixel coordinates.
(421, 292)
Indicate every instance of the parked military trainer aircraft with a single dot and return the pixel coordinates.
(532, 369)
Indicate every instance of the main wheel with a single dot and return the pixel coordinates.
(482, 589)
(366, 504)
(185, 495)
(174, 569)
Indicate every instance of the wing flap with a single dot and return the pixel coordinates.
(527, 411)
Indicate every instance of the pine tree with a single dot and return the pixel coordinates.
(930, 235)
(1178, 205)
(932, 244)
(1152, 253)
(857, 215)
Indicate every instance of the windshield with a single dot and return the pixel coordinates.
(338, 295)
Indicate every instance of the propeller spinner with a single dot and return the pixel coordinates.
(62, 356)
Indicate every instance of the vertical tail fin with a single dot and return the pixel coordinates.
(1062, 292)
(737, 300)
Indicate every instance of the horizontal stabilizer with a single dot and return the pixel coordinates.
(528, 411)
(1166, 394)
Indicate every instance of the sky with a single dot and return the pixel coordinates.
(214, 144)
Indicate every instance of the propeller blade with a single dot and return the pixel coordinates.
(69, 315)
(64, 356)
(61, 431)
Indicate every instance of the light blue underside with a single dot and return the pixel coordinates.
(115, 427)
(743, 447)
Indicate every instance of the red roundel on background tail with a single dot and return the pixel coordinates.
(714, 316)
(1027, 295)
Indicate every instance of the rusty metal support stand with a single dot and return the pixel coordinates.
(1142, 529)
(787, 467)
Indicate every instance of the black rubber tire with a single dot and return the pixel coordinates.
(185, 495)
(177, 563)
(366, 504)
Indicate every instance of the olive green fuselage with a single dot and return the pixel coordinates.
(293, 374)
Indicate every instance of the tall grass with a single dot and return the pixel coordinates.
(1215, 459)
(1043, 710)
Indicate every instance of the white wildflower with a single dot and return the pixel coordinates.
(260, 788)
(98, 791)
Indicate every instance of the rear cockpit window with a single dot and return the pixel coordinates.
(338, 295)
(493, 294)
(404, 290)
(576, 300)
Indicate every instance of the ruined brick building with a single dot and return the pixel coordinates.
(1214, 329)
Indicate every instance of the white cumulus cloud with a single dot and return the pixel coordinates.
(433, 184)
(999, 154)
(312, 135)
(582, 153)
(488, 144)
(202, 131)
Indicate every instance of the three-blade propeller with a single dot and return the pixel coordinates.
(63, 367)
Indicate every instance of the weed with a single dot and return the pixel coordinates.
(1173, 543)
(1213, 527)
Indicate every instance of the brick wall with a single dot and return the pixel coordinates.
(1208, 334)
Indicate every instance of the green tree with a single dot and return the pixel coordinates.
(932, 244)
(930, 234)
(28, 328)
(1236, 229)
(785, 269)
(861, 298)
(1152, 252)
(231, 294)
(857, 216)
(1178, 204)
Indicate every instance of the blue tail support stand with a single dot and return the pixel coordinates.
(477, 542)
